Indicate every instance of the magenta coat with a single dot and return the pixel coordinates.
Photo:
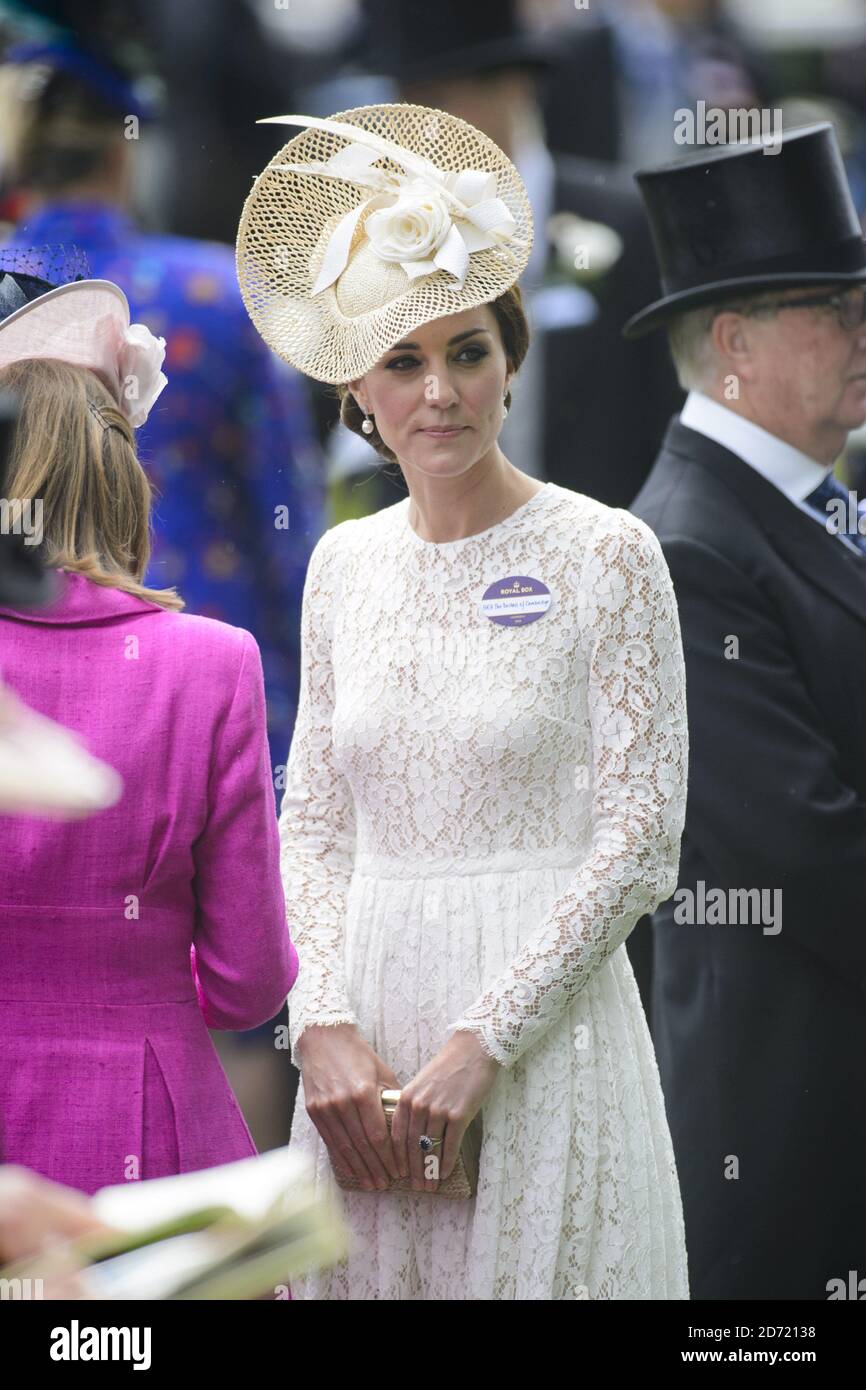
(107, 1071)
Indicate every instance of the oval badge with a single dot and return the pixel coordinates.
(517, 599)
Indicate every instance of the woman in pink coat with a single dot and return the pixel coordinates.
(108, 1073)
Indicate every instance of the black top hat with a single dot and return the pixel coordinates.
(413, 40)
(737, 218)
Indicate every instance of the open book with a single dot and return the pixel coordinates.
(238, 1231)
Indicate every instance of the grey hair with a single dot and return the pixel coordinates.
(690, 340)
(691, 346)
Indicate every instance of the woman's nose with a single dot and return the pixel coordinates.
(439, 389)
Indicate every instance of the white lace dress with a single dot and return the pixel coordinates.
(476, 814)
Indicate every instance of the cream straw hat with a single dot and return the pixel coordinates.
(371, 223)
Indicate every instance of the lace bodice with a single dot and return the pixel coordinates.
(431, 740)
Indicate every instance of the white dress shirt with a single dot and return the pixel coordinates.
(792, 472)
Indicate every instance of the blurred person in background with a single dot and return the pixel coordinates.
(163, 915)
(625, 67)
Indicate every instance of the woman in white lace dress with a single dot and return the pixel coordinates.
(485, 791)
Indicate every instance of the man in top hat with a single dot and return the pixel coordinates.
(759, 960)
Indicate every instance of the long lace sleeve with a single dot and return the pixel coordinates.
(317, 816)
(630, 635)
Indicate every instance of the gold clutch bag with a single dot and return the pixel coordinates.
(461, 1182)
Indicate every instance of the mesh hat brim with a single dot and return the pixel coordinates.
(289, 216)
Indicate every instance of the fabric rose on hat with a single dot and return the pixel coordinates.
(139, 364)
(412, 229)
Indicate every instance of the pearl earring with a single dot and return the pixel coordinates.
(367, 424)
(504, 407)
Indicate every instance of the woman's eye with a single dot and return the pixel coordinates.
(401, 364)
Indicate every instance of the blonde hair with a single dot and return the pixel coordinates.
(74, 450)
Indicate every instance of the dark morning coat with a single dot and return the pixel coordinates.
(761, 1037)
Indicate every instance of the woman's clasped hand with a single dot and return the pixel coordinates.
(343, 1082)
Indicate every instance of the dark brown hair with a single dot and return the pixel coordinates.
(514, 331)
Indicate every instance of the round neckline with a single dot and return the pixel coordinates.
(516, 515)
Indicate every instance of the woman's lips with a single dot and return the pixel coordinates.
(444, 433)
